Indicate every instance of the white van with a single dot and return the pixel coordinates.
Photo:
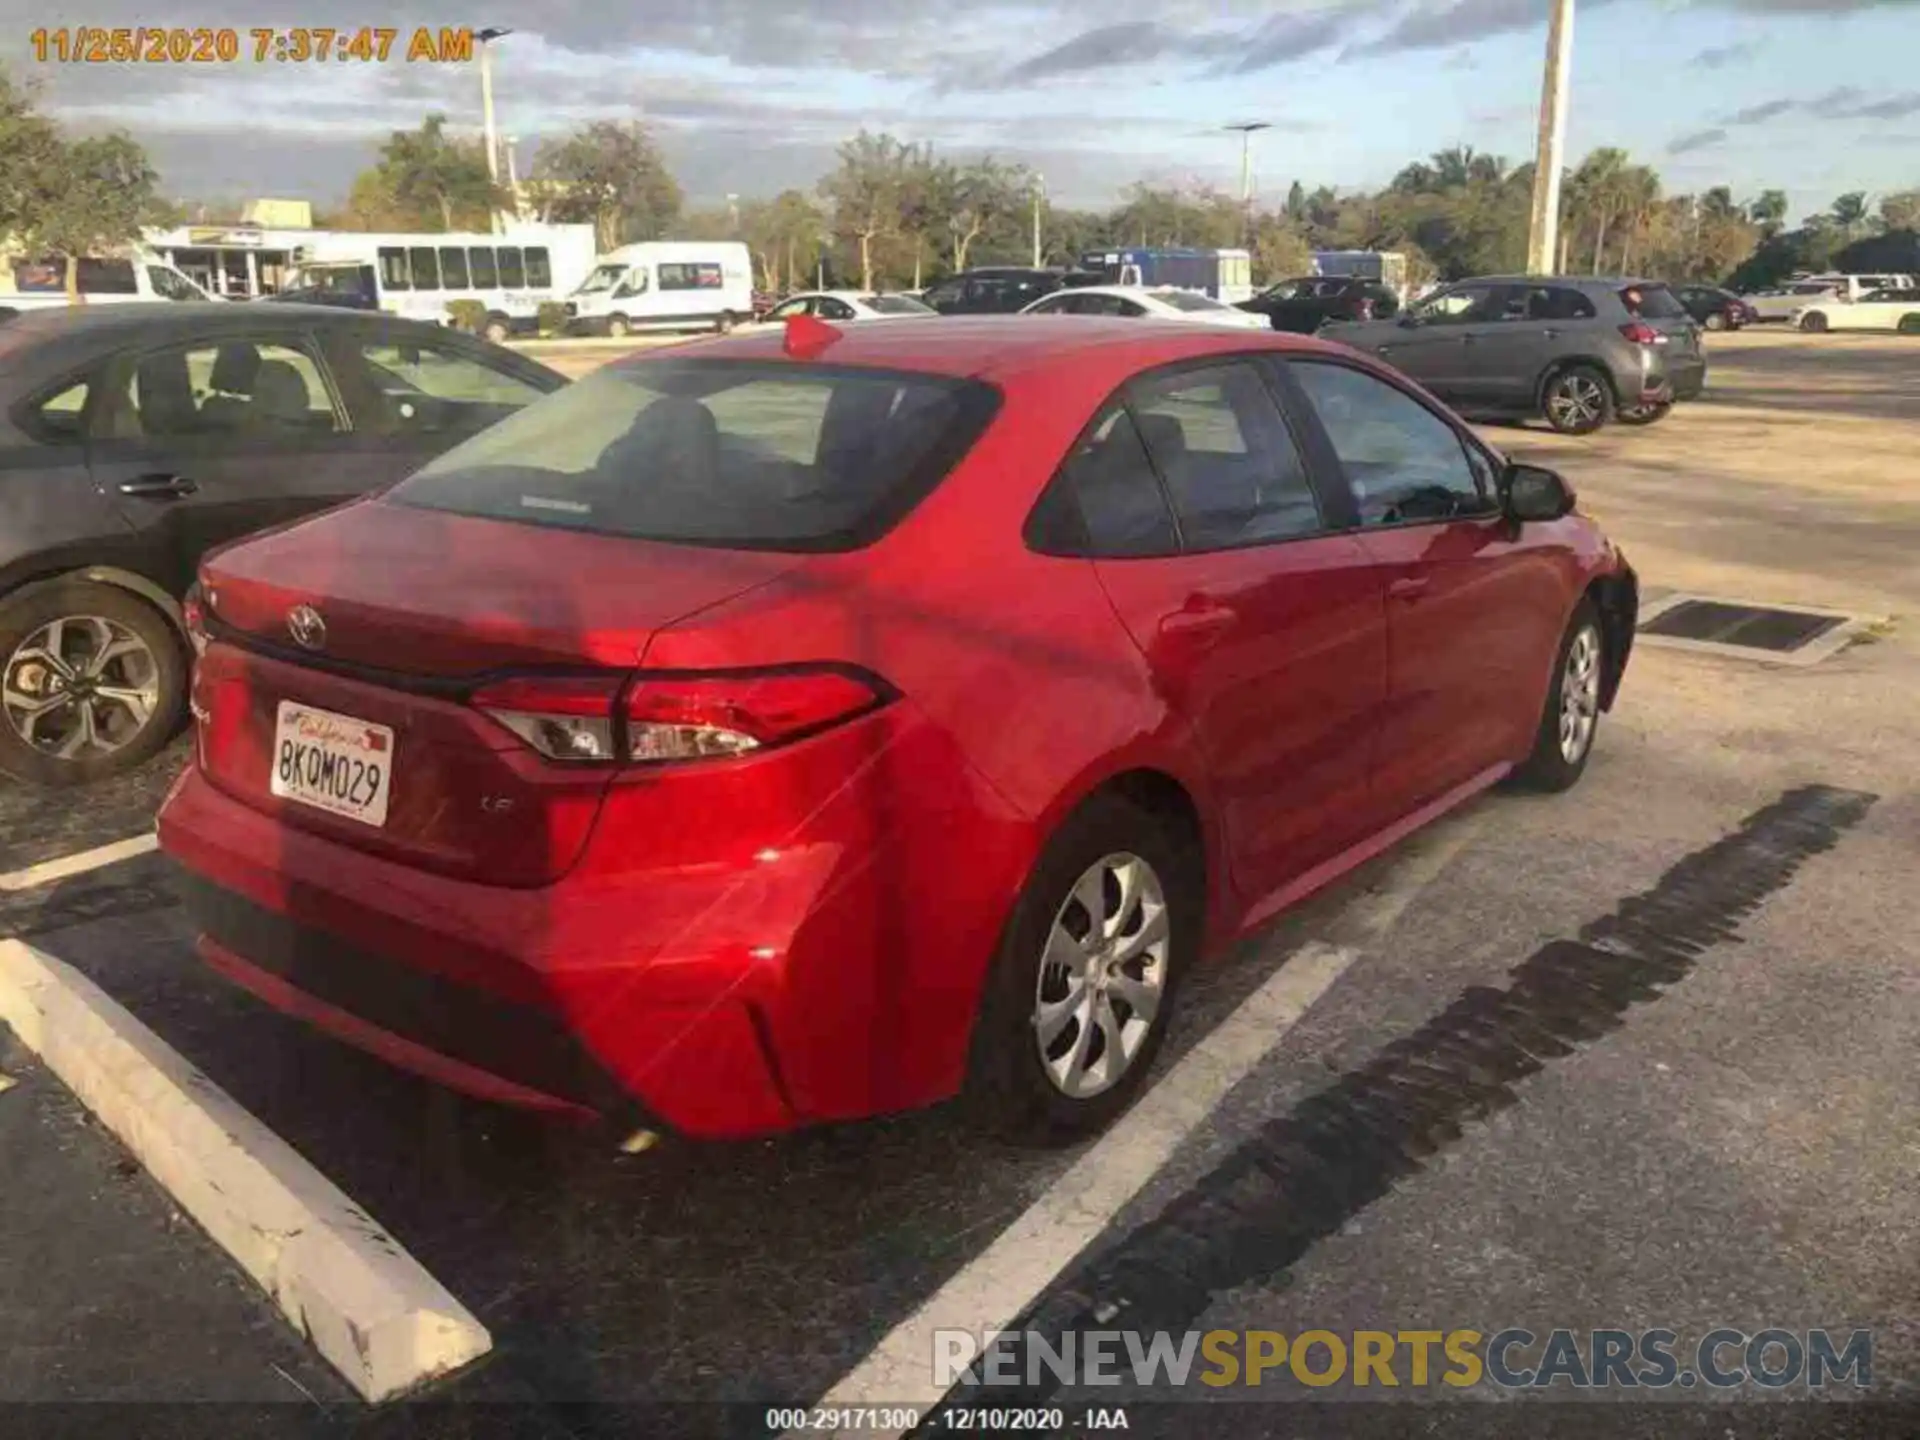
(665, 285)
(417, 277)
(144, 279)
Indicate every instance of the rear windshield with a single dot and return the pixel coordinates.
(897, 305)
(1652, 302)
(743, 455)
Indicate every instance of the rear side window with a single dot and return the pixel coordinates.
(1652, 302)
(746, 456)
(1109, 480)
(1229, 464)
(1548, 302)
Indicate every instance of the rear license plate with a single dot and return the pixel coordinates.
(332, 762)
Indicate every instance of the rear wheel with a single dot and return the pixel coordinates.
(93, 682)
(724, 325)
(1909, 325)
(496, 329)
(1078, 998)
(1570, 718)
(1814, 324)
(1715, 321)
(1578, 400)
(1643, 414)
(618, 327)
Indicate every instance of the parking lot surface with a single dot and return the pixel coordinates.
(1724, 1135)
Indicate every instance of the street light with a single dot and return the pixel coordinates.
(486, 38)
(1039, 198)
(1246, 129)
(1543, 229)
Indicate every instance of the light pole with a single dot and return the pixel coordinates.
(1543, 229)
(1039, 199)
(486, 38)
(1246, 129)
(733, 213)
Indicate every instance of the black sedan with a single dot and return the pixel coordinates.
(1305, 304)
(135, 437)
(1716, 309)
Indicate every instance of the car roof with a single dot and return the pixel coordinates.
(993, 346)
(117, 319)
(1129, 292)
(1577, 282)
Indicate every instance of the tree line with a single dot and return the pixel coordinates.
(895, 214)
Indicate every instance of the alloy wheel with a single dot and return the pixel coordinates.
(80, 685)
(1576, 400)
(1103, 976)
(1580, 695)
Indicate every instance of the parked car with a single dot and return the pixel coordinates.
(1135, 302)
(1780, 302)
(1879, 310)
(1578, 350)
(1716, 309)
(133, 438)
(1000, 289)
(1305, 304)
(845, 305)
(644, 756)
(1849, 287)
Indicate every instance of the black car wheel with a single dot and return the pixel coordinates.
(1814, 324)
(93, 682)
(1570, 718)
(1577, 400)
(496, 329)
(618, 327)
(1715, 321)
(1909, 325)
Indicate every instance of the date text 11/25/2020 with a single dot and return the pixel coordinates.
(205, 45)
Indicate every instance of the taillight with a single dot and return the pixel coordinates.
(1641, 333)
(650, 718)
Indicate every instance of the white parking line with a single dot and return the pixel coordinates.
(49, 871)
(363, 1302)
(1017, 1267)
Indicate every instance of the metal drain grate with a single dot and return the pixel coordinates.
(1738, 629)
(1751, 627)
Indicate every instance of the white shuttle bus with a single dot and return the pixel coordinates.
(419, 276)
(665, 285)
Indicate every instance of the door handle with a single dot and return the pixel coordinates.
(1551, 334)
(1197, 620)
(158, 486)
(1408, 587)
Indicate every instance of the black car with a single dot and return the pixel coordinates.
(1714, 308)
(1305, 304)
(135, 437)
(999, 289)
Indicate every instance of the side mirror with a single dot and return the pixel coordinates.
(1531, 492)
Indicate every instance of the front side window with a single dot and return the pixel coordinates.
(726, 453)
(393, 268)
(1229, 464)
(790, 308)
(171, 284)
(445, 375)
(1404, 463)
(691, 276)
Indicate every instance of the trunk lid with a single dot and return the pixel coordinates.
(416, 606)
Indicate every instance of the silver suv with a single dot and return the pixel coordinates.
(1578, 350)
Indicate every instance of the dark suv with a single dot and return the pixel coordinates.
(1578, 350)
(1305, 304)
(1000, 289)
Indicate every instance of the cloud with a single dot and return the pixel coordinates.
(1107, 47)
(1756, 114)
(1844, 102)
(1698, 140)
(1720, 57)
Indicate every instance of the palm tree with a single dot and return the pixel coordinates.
(1850, 212)
(1598, 195)
(1639, 196)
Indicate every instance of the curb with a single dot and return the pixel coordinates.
(366, 1305)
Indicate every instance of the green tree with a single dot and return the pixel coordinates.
(1900, 210)
(1599, 195)
(1768, 210)
(1297, 204)
(29, 143)
(1849, 212)
(609, 174)
(98, 197)
(977, 197)
(867, 192)
(437, 178)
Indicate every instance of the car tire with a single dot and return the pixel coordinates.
(724, 325)
(1909, 325)
(1570, 716)
(496, 329)
(152, 666)
(1814, 324)
(618, 327)
(1577, 400)
(1643, 414)
(1715, 322)
(1019, 1085)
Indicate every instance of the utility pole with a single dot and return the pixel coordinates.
(1246, 130)
(1039, 199)
(486, 38)
(1543, 232)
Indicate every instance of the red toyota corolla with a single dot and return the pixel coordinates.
(788, 728)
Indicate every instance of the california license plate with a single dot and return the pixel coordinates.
(332, 762)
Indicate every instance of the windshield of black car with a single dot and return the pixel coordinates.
(739, 454)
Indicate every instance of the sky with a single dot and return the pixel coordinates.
(748, 97)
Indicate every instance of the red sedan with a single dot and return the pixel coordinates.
(789, 728)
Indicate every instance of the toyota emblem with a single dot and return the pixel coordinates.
(306, 627)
